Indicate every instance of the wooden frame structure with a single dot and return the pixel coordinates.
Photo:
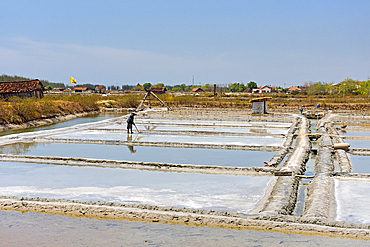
(147, 95)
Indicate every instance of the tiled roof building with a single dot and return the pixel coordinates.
(158, 90)
(22, 89)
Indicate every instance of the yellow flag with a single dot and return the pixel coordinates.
(73, 80)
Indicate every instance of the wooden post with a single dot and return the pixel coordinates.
(149, 101)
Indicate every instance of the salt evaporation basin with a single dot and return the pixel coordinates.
(353, 133)
(198, 191)
(216, 140)
(201, 122)
(358, 143)
(361, 164)
(195, 156)
(352, 197)
(282, 131)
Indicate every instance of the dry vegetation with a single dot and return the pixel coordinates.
(17, 111)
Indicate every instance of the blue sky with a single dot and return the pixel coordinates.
(126, 42)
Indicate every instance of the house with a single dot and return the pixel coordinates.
(291, 89)
(197, 90)
(22, 89)
(80, 89)
(263, 89)
(158, 90)
(100, 89)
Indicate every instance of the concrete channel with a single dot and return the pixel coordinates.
(272, 212)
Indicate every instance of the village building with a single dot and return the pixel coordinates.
(80, 89)
(22, 89)
(197, 90)
(158, 90)
(291, 89)
(100, 89)
(264, 89)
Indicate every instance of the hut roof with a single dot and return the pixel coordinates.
(20, 86)
(80, 88)
(260, 99)
(158, 89)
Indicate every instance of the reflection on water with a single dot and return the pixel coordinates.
(81, 120)
(196, 156)
(20, 148)
(131, 148)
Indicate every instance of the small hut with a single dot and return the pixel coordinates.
(22, 89)
(158, 90)
(259, 105)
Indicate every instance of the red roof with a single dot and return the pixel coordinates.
(197, 89)
(294, 89)
(80, 88)
(20, 86)
(158, 89)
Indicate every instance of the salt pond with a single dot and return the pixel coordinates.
(361, 164)
(352, 198)
(201, 122)
(151, 127)
(198, 191)
(195, 156)
(358, 143)
(217, 140)
(81, 120)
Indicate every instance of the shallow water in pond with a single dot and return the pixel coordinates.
(358, 143)
(215, 122)
(353, 133)
(216, 140)
(352, 198)
(198, 191)
(361, 164)
(281, 131)
(196, 156)
(35, 229)
(81, 120)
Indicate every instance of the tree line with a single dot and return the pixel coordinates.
(347, 86)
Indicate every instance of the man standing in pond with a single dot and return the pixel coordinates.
(130, 122)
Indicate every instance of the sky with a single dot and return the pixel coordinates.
(119, 42)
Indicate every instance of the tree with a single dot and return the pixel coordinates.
(234, 87)
(348, 86)
(147, 85)
(318, 88)
(159, 85)
(242, 87)
(176, 89)
(252, 85)
(207, 88)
